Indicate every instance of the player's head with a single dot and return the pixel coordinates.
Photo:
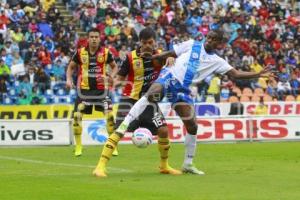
(147, 40)
(215, 40)
(94, 37)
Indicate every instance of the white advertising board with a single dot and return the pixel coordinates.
(214, 129)
(34, 132)
(239, 129)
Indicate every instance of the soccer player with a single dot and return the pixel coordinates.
(92, 84)
(195, 61)
(138, 74)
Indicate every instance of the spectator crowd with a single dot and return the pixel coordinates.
(37, 41)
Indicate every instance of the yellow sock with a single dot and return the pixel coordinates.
(77, 134)
(77, 128)
(108, 149)
(163, 147)
(110, 123)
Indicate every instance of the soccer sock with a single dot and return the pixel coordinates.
(108, 149)
(77, 128)
(110, 123)
(136, 110)
(190, 148)
(163, 147)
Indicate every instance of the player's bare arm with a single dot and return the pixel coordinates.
(248, 75)
(164, 55)
(71, 67)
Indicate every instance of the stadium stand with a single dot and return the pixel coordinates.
(37, 39)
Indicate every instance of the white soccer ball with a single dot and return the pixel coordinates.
(142, 137)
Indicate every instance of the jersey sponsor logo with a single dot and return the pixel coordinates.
(236, 129)
(97, 130)
(195, 55)
(146, 78)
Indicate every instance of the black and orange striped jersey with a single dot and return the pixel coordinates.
(92, 68)
(140, 72)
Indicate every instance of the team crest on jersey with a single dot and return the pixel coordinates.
(100, 58)
(195, 55)
(138, 63)
(84, 59)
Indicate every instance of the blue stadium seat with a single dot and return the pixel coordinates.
(7, 101)
(72, 92)
(56, 100)
(61, 92)
(12, 92)
(69, 100)
(16, 84)
(49, 92)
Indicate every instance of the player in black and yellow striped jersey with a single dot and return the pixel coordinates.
(138, 72)
(92, 83)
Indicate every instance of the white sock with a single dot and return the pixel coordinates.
(136, 110)
(190, 148)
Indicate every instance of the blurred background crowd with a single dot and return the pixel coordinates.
(37, 38)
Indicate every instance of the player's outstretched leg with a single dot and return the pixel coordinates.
(108, 148)
(110, 127)
(163, 147)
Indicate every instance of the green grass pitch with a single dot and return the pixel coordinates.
(240, 171)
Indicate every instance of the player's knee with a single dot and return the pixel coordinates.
(192, 128)
(154, 94)
(120, 135)
(156, 97)
(81, 107)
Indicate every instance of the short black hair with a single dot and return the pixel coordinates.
(93, 30)
(147, 33)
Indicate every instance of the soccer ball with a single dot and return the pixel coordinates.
(142, 137)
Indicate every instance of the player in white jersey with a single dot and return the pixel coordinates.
(194, 62)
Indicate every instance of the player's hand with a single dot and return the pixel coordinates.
(268, 71)
(69, 84)
(109, 80)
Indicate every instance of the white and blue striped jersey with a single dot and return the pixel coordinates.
(193, 63)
